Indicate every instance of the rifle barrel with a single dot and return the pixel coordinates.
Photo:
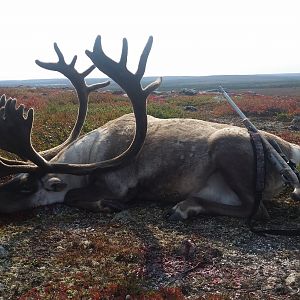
(249, 125)
(232, 104)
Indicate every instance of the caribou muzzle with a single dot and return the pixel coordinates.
(16, 194)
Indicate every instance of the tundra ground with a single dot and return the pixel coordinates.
(58, 252)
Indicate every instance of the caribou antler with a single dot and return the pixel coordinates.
(82, 90)
(19, 128)
(15, 131)
(118, 71)
(131, 84)
(6, 164)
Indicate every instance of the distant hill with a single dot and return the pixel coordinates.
(235, 82)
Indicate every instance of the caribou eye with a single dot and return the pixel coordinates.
(55, 184)
(28, 184)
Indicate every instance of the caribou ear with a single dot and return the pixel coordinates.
(55, 184)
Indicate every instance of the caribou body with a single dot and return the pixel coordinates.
(202, 167)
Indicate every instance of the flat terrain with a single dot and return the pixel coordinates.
(233, 82)
(58, 252)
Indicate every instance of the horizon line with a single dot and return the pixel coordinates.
(155, 76)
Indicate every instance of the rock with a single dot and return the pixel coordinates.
(293, 279)
(86, 244)
(3, 252)
(187, 249)
(272, 282)
(95, 263)
(60, 248)
(280, 289)
(123, 217)
(296, 120)
(190, 108)
(188, 92)
(295, 124)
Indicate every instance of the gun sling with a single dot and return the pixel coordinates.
(260, 173)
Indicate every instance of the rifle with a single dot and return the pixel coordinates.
(287, 169)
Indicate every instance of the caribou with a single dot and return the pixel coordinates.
(201, 167)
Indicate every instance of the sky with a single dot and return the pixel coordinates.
(191, 37)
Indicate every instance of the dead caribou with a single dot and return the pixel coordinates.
(204, 167)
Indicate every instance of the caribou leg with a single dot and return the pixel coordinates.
(229, 190)
(198, 206)
(88, 198)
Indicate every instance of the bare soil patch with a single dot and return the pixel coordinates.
(62, 253)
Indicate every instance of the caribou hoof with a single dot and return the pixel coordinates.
(173, 215)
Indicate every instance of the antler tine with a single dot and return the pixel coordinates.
(13, 162)
(124, 54)
(15, 132)
(142, 67)
(82, 89)
(61, 66)
(144, 57)
(88, 71)
(118, 71)
(59, 53)
(10, 169)
(73, 62)
(2, 113)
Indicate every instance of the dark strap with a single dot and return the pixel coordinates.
(260, 171)
(260, 175)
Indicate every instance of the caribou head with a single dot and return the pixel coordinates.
(40, 178)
